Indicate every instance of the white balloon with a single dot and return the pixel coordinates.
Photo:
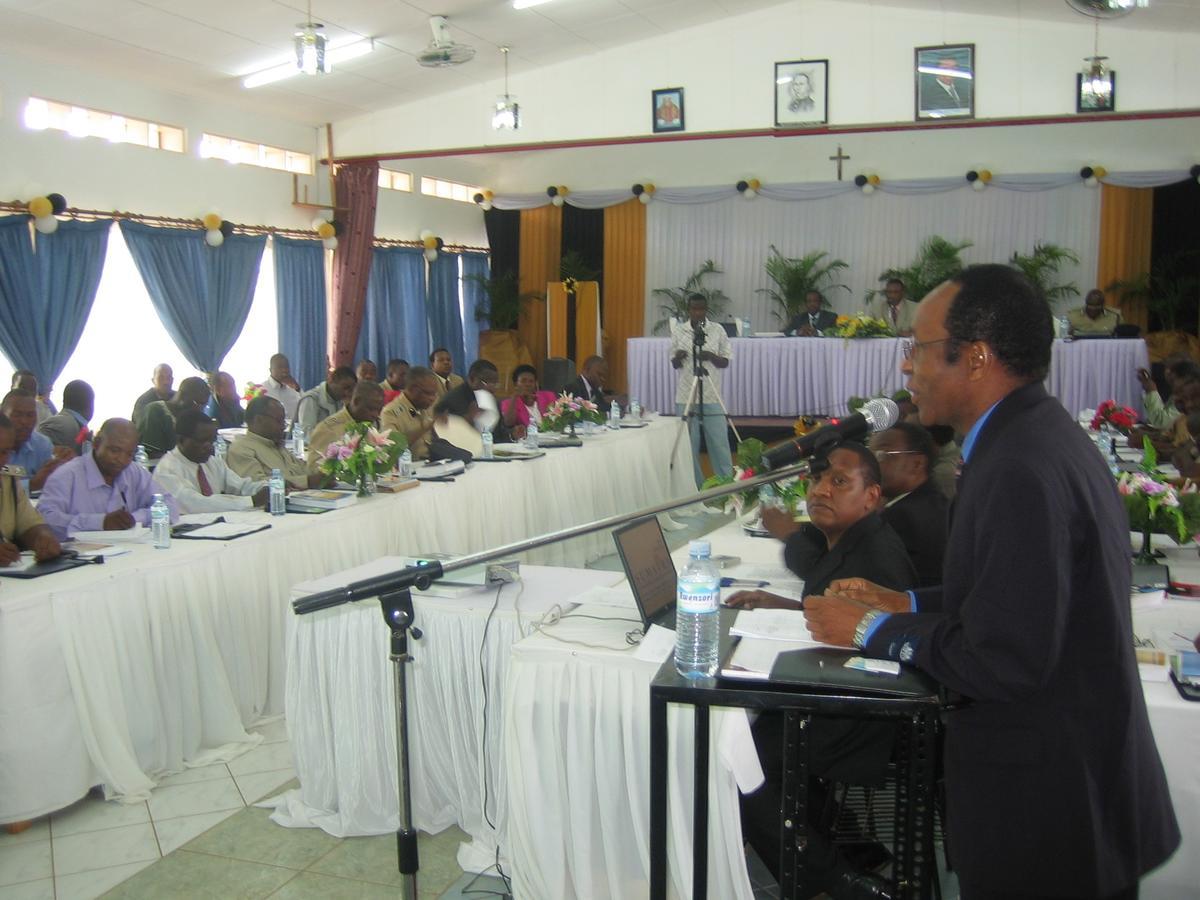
(214, 238)
(318, 222)
(426, 233)
(645, 198)
(330, 243)
(1091, 181)
(557, 200)
(485, 205)
(749, 193)
(868, 188)
(46, 224)
(978, 184)
(431, 254)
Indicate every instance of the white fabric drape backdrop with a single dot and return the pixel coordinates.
(871, 233)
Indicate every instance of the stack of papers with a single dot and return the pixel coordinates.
(319, 499)
(441, 469)
(135, 535)
(765, 633)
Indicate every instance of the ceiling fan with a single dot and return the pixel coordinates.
(444, 51)
(1106, 9)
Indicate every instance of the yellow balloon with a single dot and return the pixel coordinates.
(754, 183)
(650, 189)
(430, 243)
(488, 195)
(211, 222)
(1099, 171)
(40, 207)
(873, 179)
(325, 230)
(562, 190)
(985, 175)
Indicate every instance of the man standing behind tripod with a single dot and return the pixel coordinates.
(702, 349)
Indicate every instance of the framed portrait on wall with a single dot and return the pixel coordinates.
(1098, 94)
(667, 109)
(801, 92)
(945, 82)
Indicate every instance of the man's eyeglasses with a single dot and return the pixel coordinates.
(910, 347)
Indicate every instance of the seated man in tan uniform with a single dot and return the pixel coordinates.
(258, 451)
(411, 413)
(365, 405)
(1093, 319)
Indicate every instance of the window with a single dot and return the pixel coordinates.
(79, 121)
(395, 181)
(449, 190)
(248, 153)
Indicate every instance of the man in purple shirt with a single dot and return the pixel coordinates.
(101, 490)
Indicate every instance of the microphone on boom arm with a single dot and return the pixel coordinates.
(879, 414)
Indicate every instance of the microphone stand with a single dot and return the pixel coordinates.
(394, 591)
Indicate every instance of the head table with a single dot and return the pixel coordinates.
(119, 674)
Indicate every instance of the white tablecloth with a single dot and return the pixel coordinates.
(795, 376)
(578, 804)
(118, 674)
(342, 725)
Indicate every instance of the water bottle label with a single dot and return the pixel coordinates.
(698, 600)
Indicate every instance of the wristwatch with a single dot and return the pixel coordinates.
(860, 633)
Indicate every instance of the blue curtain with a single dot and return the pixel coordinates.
(202, 294)
(473, 296)
(445, 319)
(394, 318)
(300, 298)
(47, 290)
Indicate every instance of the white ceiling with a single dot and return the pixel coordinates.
(203, 47)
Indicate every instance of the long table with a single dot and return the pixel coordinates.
(158, 660)
(816, 376)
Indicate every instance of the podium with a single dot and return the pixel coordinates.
(573, 320)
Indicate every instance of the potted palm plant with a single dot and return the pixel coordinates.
(794, 277)
(501, 343)
(675, 298)
(1041, 267)
(936, 260)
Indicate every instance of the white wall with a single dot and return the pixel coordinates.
(1025, 67)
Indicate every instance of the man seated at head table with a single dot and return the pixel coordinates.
(103, 490)
(393, 383)
(282, 386)
(161, 382)
(21, 526)
(411, 413)
(25, 380)
(847, 538)
(254, 454)
(70, 428)
(815, 319)
(366, 403)
(225, 406)
(197, 478)
(1093, 319)
(319, 403)
(157, 426)
(32, 451)
(913, 505)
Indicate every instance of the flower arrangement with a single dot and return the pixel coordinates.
(362, 453)
(1155, 506)
(252, 390)
(747, 464)
(1121, 418)
(566, 412)
(861, 326)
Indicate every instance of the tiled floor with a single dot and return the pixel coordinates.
(200, 836)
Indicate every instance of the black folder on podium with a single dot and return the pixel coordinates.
(825, 668)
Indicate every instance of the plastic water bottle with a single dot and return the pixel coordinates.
(487, 445)
(697, 616)
(278, 493)
(635, 409)
(220, 447)
(298, 441)
(531, 436)
(160, 523)
(141, 457)
(614, 415)
(406, 464)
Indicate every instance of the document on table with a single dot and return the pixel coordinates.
(773, 625)
(223, 531)
(753, 659)
(25, 561)
(135, 535)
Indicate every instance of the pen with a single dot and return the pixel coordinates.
(743, 582)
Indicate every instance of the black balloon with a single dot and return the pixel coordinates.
(58, 203)
(1086, 172)
(860, 180)
(742, 185)
(478, 198)
(552, 191)
(338, 227)
(440, 243)
(226, 228)
(972, 175)
(638, 190)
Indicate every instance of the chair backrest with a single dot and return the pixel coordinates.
(557, 373)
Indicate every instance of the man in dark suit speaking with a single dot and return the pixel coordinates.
(815, 320)
(1054, 786)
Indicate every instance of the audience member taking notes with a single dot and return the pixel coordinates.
(254, 454)
(103, 490)
(32, 450)
(21, 526)
(197, 478)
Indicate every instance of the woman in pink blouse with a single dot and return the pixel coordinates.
(527, 404)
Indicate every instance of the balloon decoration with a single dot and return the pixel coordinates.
(979, 178)
(327, 230)
(432, 244)
(557, 194)
(215, 230)
(44, 209)
(483, 199)
(648, 194)
(748, 188)
(1091, 175)
(866, 183)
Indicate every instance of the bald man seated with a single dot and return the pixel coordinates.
(365, 405)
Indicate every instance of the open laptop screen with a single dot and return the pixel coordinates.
(649, 568)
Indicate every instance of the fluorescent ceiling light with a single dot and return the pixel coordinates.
(525, 4)
(333, 56)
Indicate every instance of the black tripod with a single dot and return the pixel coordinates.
(694, 407)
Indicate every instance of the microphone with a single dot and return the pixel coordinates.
(879, 414)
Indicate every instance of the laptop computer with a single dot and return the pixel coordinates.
(649, 569)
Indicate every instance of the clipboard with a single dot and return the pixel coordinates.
(60, 564)
(825, 667)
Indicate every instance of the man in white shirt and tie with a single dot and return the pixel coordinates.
(282, 386)
(198, 479)
(894, 308)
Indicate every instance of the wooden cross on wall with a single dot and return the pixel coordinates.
(840, 158)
